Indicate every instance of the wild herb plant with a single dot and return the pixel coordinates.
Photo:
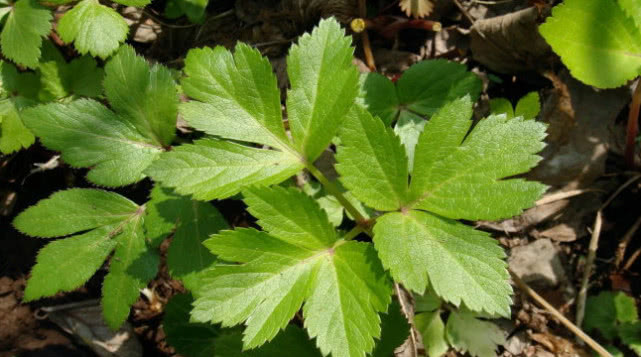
(298, 265)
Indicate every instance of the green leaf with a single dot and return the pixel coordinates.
(23, 31)
(630, 334)
(190, 339)
(13, 134)
(501, 106)
(633, 9)
(74, 210)
(467, 333)
(90, 135)
(423, 89)
(59, 79)
(114, 222)
(146, 96)
(343, 283)
(408, 128)
(194, 9)
(117, 146)
(25, 84)
(459, 178)
(136, 3)
(605, 311)
(237, 95)
(378, 95)
(211, 168)
(193, 339)
(528, 107)
(191, 222)
(596, 40)
(427, 302)
(324, 84)
(132, 267)
(432, 329)
(372, 162)
(93, 28)
(463, 265)
(394, 331)
(74, 259)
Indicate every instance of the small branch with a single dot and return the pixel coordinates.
(353, 233)
(554, 312)
(409, 316)
(367, 48)
(632, 259)
(583, 291)
(623, 245)
(633, 126)
(334, 191)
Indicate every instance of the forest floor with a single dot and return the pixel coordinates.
(546, 245)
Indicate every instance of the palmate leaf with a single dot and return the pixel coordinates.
(456, 176)
(596, 40)
(191, 222)
(28, 22)
(236, 97)
(118, 146)
(298, 259)
(112, 223)
(93, 28)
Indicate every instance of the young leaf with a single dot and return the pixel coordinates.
(211, 168)
(23, 31)
(432, 329)
(192, 222)
(463, 265)
(528, 107)
(114, 222)
(117, 146)
(342, 283)
(93, 28)
(596, 40)
(459, 178)
(372, 164)
(501, 106)
(324, 84)
(467, 333)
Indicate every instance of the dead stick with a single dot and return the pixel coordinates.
(401, 300)
(623, 245)
(594, 245)
(567, 323)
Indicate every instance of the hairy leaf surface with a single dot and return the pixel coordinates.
(23, 31)
(114, 223)
(372, 163)
(342, 283)
(596, 40)
(210, 168)
(120, 145)
(324, 84)
(93, 28)
(462, 265)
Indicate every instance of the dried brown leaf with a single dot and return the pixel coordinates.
(416, 8)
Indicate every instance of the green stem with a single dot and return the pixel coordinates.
(353, 233)
(336, 192)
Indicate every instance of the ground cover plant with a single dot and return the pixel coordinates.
(384, 246)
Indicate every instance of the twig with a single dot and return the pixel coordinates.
(464, 12)
(557, 196)
(632, 258)
(620, 253)
(633, 126)
(554, 312)
(594, 244)
(583, 291)
(367, 48)
(406, 311)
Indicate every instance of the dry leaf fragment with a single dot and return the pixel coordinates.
(416, 8)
